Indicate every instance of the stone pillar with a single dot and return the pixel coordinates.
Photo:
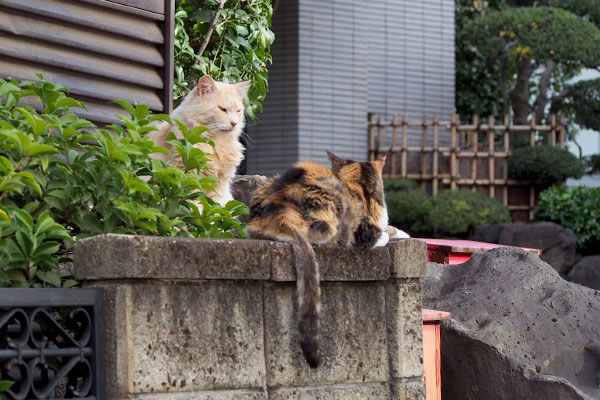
(216, 319)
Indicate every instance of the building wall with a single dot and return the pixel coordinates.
(411, 59)
(335, 61)
(101, 50)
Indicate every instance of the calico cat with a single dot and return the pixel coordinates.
(219, 107)
(310, 204)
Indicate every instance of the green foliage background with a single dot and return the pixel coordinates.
(453, 213)
(238, 50)
(63, 179)
(493, 36)
(576, 208)
(544, 163)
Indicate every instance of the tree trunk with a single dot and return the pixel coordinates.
(505, 110)
(558, 101)
(519, 98)
(542, 98)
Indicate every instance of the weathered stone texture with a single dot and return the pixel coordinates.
(184, 337)
(216, 319)
(408, 390)
(338, 392)
(335, 265)
(124, 256)
(405, 330)
(519, 331)
(409, 258)
(349, 354)
(204, 395)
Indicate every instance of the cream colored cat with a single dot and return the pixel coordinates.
(219, 107)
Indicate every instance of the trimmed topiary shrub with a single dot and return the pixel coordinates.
(544, 163)
(576, 208)
(458, 212)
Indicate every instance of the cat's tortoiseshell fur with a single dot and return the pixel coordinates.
(310, 204)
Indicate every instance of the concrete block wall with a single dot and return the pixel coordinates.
(216, 319)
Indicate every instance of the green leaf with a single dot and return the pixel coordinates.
(38, 126)
(4, 216)
(44, 223)
(70, 283)
(70, 102)
(148, 225)
(23, 219)
(160, 117)
(36, 149)
(46, 248)
(141, 111)
(50, 277)
(17, 276)
(4, 279)
(126, 105)
(89, 222)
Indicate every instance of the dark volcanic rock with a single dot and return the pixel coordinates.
(587, 272)
(518, 331)
(558, 244)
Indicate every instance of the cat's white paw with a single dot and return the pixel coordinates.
(383, 240)
(396, 233)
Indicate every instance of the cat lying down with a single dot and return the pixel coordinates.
(310, 204)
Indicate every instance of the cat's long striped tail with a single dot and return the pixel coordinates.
(309, 298)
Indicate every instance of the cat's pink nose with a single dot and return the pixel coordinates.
(233, 124)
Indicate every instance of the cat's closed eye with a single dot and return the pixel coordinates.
(222, 109)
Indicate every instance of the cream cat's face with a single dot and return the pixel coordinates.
(218, 106)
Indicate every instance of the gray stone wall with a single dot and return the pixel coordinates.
(216, 319)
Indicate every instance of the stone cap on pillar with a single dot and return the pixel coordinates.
(116, 256)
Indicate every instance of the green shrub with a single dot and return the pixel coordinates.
(458, 212)
(576, 208)
(61, 179)
(452, 213)
(409, 210)
(399, 185)
(544, 163)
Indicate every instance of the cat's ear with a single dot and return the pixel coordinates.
(336, 162)
(379, 163)
(206, 85)
(242, 88)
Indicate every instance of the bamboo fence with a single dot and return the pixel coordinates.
(470, 156)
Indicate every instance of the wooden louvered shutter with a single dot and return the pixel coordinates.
(102, 50)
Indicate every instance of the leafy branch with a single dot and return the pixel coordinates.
(205, 40)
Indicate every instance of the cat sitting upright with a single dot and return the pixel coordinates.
(310, 204)
(219, 107)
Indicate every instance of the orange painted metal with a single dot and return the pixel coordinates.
(432, 361)
(446, 251)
